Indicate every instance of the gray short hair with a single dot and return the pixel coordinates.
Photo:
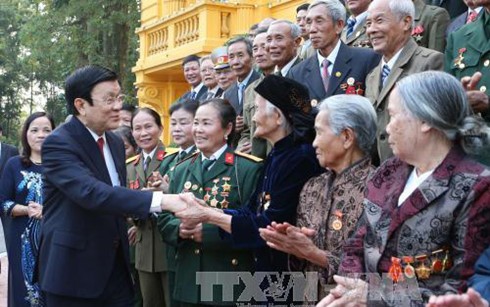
(354, 112)
(295, 29)
(240, 39)
(439, 99)
(402, 9)
(335, 8)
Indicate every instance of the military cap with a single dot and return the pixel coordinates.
(219, 56)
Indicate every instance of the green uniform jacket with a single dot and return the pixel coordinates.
(229, 183)
(150, 249)
(468, 51)
(260, 147)
(167, 167)
(432, 22)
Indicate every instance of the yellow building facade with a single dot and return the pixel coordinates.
(172, 29)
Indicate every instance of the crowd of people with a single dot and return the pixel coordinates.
(333, 144)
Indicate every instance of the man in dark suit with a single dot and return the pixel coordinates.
(83, 256)
(192, 75)
(336, 68)
(472, 13)
(6, 152)
(284, 38)
(241, 62)
(209, 79)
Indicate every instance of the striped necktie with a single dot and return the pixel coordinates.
(351, 22)
(385, 73)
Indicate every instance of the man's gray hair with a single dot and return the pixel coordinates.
(335, 8)
(402, 9)
(354, 112)
(439, 99)
(295, 29)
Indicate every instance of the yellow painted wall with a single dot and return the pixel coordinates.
(173, 29)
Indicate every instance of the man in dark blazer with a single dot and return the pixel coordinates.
(6, 152)
(83, 256)
(192, 74)
(472, 13)
(284, 38)
(241, 62)
(347, 67)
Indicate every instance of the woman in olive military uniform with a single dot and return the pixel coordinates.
(150, 258)
(223, 179)
(181, 121)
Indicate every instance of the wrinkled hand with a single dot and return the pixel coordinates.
(470, 298)
(349, 292)
(35, 210)
(245, 148)
(132, 235)
(176, 202)
(196, 212)
(191, 231)
(478, 100)
(289, 239)
(239, 124)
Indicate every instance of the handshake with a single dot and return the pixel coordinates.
(187, 207)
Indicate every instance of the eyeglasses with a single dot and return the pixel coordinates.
(111, 100)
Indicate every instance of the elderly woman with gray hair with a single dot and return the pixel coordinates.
(330, 204)
(426, 213)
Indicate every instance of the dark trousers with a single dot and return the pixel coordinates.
(118, 292)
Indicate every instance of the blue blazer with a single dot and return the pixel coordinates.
(351, 62)
(84, 216)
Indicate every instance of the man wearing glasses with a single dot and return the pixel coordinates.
(83, 256)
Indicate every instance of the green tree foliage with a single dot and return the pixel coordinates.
(54, 37)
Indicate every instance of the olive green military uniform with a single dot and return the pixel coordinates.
(431, 23)
(260, 147)
(150, 253)
(229, 183)
(167, 167)
(468, 51)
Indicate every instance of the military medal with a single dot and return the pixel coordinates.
(408, 270)
(214, 202)
(266, 200)
(207, 196)
(423, 272)
(226, 187)
(447, 263)
(486, 63)
(187, 185)
(194, 187)
(337, 222)
(436, 265)
(395, 271)
(458, 61)
(314, 103)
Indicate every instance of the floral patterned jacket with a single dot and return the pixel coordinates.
(450, 210)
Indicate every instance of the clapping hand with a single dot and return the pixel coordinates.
(289, 239)
(470, 298)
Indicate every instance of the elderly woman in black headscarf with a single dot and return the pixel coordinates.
(285, 118)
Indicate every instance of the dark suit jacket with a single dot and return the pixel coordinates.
(231, 94)
(454, 7)
(7, 152)
(84, 216)
(200, 94)
(351, 62)
(459, 22)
